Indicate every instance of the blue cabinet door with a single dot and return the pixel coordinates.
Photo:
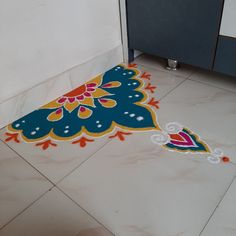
(184, 30)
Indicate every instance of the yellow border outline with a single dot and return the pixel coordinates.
(113, 126)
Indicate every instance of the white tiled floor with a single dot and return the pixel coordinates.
(130, 189)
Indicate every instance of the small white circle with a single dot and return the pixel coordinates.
(67, 127)
(126, 112)
(66, 131)
(132, 115)
(160, 138)
(140, 118)
(136, 95)
(23, 121)
(124, 73)
(130, 96)
(37, 128)
(218, 152)
(213, 159)
(129, 84)
(97, 121)
(99, 126)
(174, 128)
(33, 133)
(17, 125)
(134, 83)
(130, 72)
(118, 67)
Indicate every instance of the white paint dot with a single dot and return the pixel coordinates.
(129, 84)
(130, 96)
(118, 67)
(97, 121)
(99, 126)
(134, 83)
(66, 131)
(124, 73)
(37, 128)
(67, 127)
(126, 112)
(17, 125)
(136, 95)
(140, 118)
(33, 133)
(130, 72)
(132, 115)
(23, 121)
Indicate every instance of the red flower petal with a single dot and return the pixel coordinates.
(91, 85)
(71, 100)
(86, 94)
(61, 100)
(80, 97)
(82, 109)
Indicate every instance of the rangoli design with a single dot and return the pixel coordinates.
(114, 104)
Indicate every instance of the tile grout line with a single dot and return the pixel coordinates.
(28, 162)
(165, 95)
(83, 162)
(22, 211)
(221, 200)
(54, 185)
(68, 196)
(211, 85)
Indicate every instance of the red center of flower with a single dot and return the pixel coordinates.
(76, 92)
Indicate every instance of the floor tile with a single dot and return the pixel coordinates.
(20, 184)
(136, 188)
(163, 80)
(54, 215)
(209, 111)
(215, 79)
(223, 222)
(56, 162)
(160, 64)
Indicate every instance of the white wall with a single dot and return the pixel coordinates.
(43, 38)
(228, 25)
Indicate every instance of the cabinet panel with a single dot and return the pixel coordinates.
(178, 29)
(225, 61)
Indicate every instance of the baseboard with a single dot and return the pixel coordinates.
(52, 88)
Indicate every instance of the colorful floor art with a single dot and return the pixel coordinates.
(112, 105)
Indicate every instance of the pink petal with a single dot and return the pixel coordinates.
(102, 100)
(62, 100)
(91, 85)
(59, 111)
(106, 85)
(90, 89)
(80, 97)
(82, 109)
(87, 94)
(71, 100)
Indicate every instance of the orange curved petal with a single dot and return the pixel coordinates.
(56, 115)
(107, 102)
(84, 112)
(112, 84)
